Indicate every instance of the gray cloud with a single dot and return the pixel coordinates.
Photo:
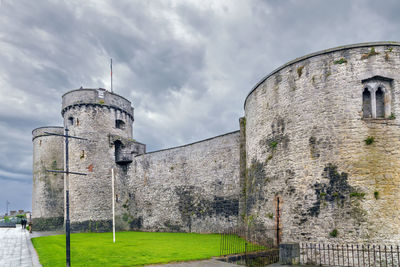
(187, 66)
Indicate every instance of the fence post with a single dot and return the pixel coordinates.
(289, 253)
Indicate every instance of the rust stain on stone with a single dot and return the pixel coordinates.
(90, 167)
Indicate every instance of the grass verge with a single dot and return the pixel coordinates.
(130, 249)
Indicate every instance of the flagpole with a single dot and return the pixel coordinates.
(111, 77)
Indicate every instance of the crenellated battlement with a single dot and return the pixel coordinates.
(98, 98)
(38, 132)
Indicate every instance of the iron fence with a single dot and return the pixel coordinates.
(249, 246)
(246, 239)
(349, 255)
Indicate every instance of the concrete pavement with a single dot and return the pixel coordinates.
(217, 263)
(203, 263)
(16, 249)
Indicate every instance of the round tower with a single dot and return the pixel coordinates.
(48, 188)
(105, 119)
(323, 149)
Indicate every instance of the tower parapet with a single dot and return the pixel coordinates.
(96, 97)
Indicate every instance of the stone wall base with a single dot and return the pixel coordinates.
(98, 226)
(48, 224)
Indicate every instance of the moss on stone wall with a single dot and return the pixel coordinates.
(98, 226)
(48, 224)
(192, 205)
(335, 191)
(338, 192)
(256, 179)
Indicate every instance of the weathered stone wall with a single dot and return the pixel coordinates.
(307, 144)
(320, 137)
(92, 114)
(193, 188)
(47, 189)
(189, 188)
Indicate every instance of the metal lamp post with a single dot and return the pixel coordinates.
(67, 172)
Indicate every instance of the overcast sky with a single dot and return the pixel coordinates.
(186, 66)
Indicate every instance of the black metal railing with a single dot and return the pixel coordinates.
(249, 246)
(237, 240)
(349, 255)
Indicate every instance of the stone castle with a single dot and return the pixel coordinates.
(320, 138)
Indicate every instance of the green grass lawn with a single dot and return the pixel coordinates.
(130, 249)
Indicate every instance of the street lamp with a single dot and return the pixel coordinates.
(67, 172)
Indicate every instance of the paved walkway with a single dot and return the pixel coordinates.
(216, 263)
(208, 263)
(16, 249)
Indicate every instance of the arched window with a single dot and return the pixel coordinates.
(380, 104)
(377, 98)
(70, 121)
(367, 103)
(120, 124)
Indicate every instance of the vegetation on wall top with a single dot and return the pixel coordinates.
(371, 53)
(300, 71)
(340, 61)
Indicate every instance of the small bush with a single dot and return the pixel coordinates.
(357, 194)
(300, 70)
(369, 140)
(273, 144)
(340, 61)
(392, 117)
(376, 195)
(372, 52)
(334, 233)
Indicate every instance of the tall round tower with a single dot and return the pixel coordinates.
(47, 194)
(322, 146)
(105, 119)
